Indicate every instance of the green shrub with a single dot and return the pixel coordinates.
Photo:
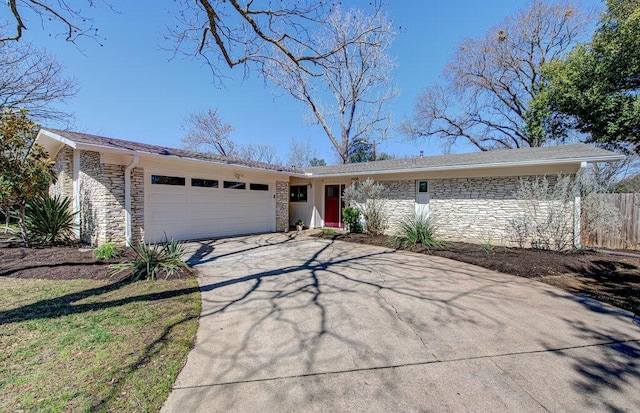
(106, 251)
(368, 197)
(152, 260)
(417, 230)
(49, 220)
(351, 217)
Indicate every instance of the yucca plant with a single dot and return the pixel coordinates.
(152, 260)
(417, 230)
(49, 219)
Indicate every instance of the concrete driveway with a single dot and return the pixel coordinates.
(292, 323)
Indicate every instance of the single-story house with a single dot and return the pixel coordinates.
(127, 191)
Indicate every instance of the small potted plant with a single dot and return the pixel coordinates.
(299, 224)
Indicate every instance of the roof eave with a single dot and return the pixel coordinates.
(120, 151)
(588, 159)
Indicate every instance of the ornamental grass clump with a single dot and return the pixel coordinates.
(153, 260)
(417, 230)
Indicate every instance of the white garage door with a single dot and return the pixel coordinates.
(189, 208)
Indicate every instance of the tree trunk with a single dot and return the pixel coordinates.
(23, 227)
(7, 217)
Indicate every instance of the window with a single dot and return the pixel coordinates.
(423, 186)
(298, 193)
(259, 187)
(204, 183)
(167, 180)
(235, 185)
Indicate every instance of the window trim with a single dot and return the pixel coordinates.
(214, 183)
(234, 185)
(181, 179)
(297, 197)
(419, 186)
(258, 187)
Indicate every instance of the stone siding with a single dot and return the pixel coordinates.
(400, 202)
(113, 217)
(137, 204)
(63, 165)
(102, 209)
(92, 194)
(478, 209)
(282, 206)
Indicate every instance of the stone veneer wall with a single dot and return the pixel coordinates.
(113, 217)
(400, 202)
(102, 213)
(476, 209)
(137, 204)
(63, 165)
(282, 206)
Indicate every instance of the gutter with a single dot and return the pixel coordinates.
(127, 196)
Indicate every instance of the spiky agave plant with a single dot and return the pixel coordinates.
(49, 219)
(153, 259)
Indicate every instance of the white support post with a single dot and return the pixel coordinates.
(76, 191)
(577, 211)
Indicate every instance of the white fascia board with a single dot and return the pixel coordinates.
(56, 137)
(579, 161)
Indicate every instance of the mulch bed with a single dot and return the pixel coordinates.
(60, 263)
(611, 278)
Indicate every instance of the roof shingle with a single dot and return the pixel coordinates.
(548, 154)
(556, 154)
(120, 144)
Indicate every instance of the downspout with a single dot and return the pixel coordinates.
(577, 209)
(127, 196)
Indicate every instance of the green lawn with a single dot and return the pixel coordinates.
(85, 345)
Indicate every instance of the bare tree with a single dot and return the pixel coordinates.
(300, 153)
(490, 81)
(349, 95)
(207, 132)
(225, 33)
(260, 152)
(70, 19)
(33, 79)
(241, 33)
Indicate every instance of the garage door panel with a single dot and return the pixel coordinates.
(195, 212)
(168, 198)
(162, 215)
(205, 198)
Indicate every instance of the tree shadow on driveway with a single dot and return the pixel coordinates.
(288, 314)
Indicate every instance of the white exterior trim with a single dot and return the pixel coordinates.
(127, 197)
(76, 190)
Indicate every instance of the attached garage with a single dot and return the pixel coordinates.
(127, 192)
(187, 206)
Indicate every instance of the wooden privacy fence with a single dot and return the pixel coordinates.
(625, 235)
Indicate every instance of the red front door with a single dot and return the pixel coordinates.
(332, 206)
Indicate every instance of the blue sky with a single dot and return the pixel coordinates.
(131, 89)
